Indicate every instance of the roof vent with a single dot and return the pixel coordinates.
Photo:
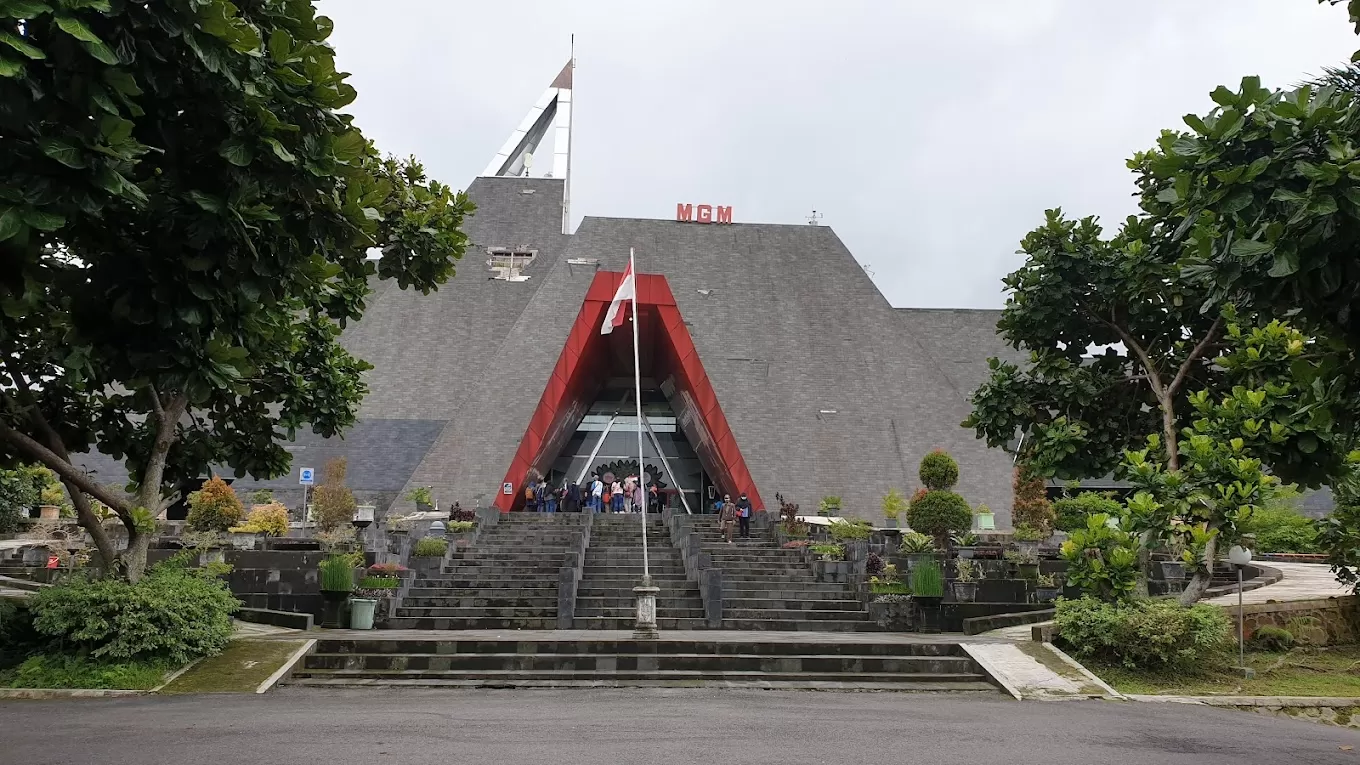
(508, 264)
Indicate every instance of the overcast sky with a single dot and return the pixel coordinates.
(931, 135)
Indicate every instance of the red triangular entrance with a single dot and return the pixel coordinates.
(577, 376)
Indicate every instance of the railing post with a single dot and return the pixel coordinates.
(711, 592)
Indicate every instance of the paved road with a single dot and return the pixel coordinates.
(645, 727)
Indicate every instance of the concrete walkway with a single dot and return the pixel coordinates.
(1302, 581)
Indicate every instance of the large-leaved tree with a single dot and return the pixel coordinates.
(186, 224)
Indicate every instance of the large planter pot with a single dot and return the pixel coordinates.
(333, 608)
(964, 552)
(965, 592)
(1028, 548)
(424, 508)
(929, 616)
(361, 612)
(1173, 570)
(49, 512)
(1046, 594)
(1028, 570)
(889, 523)
(211, 556)
(916, 559)
(896, 615)
(244, 541)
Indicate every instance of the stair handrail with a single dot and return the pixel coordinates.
(699, 566)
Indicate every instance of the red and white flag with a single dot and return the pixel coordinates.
(627, 292)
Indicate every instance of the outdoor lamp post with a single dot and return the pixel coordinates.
(1240, 556)
(363, 518)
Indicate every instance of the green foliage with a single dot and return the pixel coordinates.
(894, 504)
(964, 539)
(185, 216)
(843, 530)
(940, 513)
(1071, 512)
(62, 671)
(20, 489)
(459, 526)
(938, 471)
(829, 504)
(1339, 533)
(968, 570)
(173, 614)
(337, 571)
(1145, 634)
(333, 502)
(215, 507)
(261, 497)
(431, 547)
(1272, 638)
(914, 542)
(927, 580)
(421, 495)
(1279, 527)
(828, 551)
(1101, 560)
(1025, 533)
(380, 583)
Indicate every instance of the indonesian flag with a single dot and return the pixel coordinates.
(627, 292)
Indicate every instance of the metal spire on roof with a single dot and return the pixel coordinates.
(552, 109)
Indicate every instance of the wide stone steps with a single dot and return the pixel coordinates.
(589, 662)
(492, 623)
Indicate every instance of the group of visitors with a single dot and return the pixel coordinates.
(735, 514)
(596, 495)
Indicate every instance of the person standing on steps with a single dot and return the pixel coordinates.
(551, 497)
(531, 497)
(616, 497)
(596, 493)
(744, 515)
(628, 493)
(727, 518)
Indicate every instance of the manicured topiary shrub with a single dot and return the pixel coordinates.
(940, 513)
(1070, 513)
(1142, 634)
(270, 520)
(939, 471)
(215, 507)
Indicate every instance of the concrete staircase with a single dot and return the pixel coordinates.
(613, 566)
(507, 580)
(586, 662)
(766, 587)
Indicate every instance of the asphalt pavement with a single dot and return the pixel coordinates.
(643, 727)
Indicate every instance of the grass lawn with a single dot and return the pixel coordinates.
(1331, 671)
(239, 669)
(51, 671)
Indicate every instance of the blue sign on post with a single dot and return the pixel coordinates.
(306, 476)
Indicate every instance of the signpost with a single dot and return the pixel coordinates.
(306, 477)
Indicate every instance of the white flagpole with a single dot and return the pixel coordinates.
(637, 390)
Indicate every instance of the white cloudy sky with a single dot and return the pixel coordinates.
(931, 135)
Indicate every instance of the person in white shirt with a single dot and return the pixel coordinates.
(596, 494)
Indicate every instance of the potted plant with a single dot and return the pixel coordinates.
(50, 500)
(369, 603)
(927, 590)
(894, 504)
(1047, 588)
(965, 544)
(1026, 564)
(887, 582)
(966, 585)
(423, 496)
(918, 548)
(337, 584)
(829, 506)
(1027, 539)
(983, 518)
(828, 551)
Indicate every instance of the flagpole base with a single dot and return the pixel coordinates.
(645, 628)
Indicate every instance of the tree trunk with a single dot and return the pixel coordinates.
(134, 557)
(94, 525)
(1199, 583)
(1169, 437)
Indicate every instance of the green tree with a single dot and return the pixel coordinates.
(186, 221)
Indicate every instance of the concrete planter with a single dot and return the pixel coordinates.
(893, 616)
(244, 540)
(965, 592)
(889, 523)
(837, 571)
(425, 566)
(206, 557)
(49, 513)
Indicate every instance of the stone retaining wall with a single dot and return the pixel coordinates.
(1324, 621)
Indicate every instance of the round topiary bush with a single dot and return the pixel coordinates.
(939, 514)
(215, 507)
(939, 471)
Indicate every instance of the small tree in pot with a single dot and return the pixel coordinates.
(966, 585)
(423, 496)
(894, 504)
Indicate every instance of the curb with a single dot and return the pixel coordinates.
(175, 675)
(1252, 701)
(66, 693)
(287, 667)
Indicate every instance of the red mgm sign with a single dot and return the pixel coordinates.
(702, 214)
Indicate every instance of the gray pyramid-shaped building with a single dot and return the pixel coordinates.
(827, 389)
